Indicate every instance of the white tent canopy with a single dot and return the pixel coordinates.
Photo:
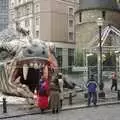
(110, 38)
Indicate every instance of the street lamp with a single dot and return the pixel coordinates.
(101, 85)
(117, 59)
(87, 70)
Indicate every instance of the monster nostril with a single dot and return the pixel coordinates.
(35, 45)
(43, 52)
(30, 51)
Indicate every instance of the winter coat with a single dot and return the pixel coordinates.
(91, 85)
(44, 84)
(42, 100)
(61, 88)
(54, 96)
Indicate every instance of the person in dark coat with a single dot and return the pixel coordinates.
(114, 81)
(61, 82)
(92, 94)
(54, 96)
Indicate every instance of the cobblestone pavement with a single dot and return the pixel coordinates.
(96, 113)
(80, 99)
(78, 102)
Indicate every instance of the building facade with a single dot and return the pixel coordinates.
(86, 16)
(49, 20)
(3, 14)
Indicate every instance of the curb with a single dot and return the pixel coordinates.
(85, 106)
(71, 107)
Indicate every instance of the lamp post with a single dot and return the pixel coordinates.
(87, 66)
(117, 60)
(101, 85)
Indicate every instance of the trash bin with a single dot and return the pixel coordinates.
(118, 96)
(70, 98)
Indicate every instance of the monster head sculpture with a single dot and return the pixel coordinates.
(22, 64)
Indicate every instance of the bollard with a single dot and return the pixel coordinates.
(101, 94)
(4, 105)
(85, 95)
(118, 96)
(70, 98)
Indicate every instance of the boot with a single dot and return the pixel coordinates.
(57, 110)
(53, 111)
(61, 103)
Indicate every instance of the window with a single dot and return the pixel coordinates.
(80, 17)
(19, 13)
(70, 23)
(19, 1)
(24, 9)
(37, 21)
(12, 4)
(28, 9)
(37, 34)
(5, 20)
(27, 22)
(70, 11)
(59, 56)
(103, 14)
(12, 16)
(70, 35)
(70, 58)
(37, 8)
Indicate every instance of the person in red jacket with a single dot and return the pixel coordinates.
(43, 94)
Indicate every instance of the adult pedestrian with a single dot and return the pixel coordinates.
(54, 96)
(61, 82)
(43, 94)
(92, 94)
(114, 81)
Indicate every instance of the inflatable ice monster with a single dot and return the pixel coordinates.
(22, 62)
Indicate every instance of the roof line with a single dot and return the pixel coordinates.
(96, 8)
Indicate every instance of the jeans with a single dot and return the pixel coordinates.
(114, 84)
(93, 96)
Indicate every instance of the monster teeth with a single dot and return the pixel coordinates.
(36, 66)
(17, 81)
(25, 71)
(39, 65)
(31, 65)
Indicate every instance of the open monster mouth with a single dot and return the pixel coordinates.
(28, 72)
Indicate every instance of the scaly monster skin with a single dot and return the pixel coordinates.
(21, 64)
